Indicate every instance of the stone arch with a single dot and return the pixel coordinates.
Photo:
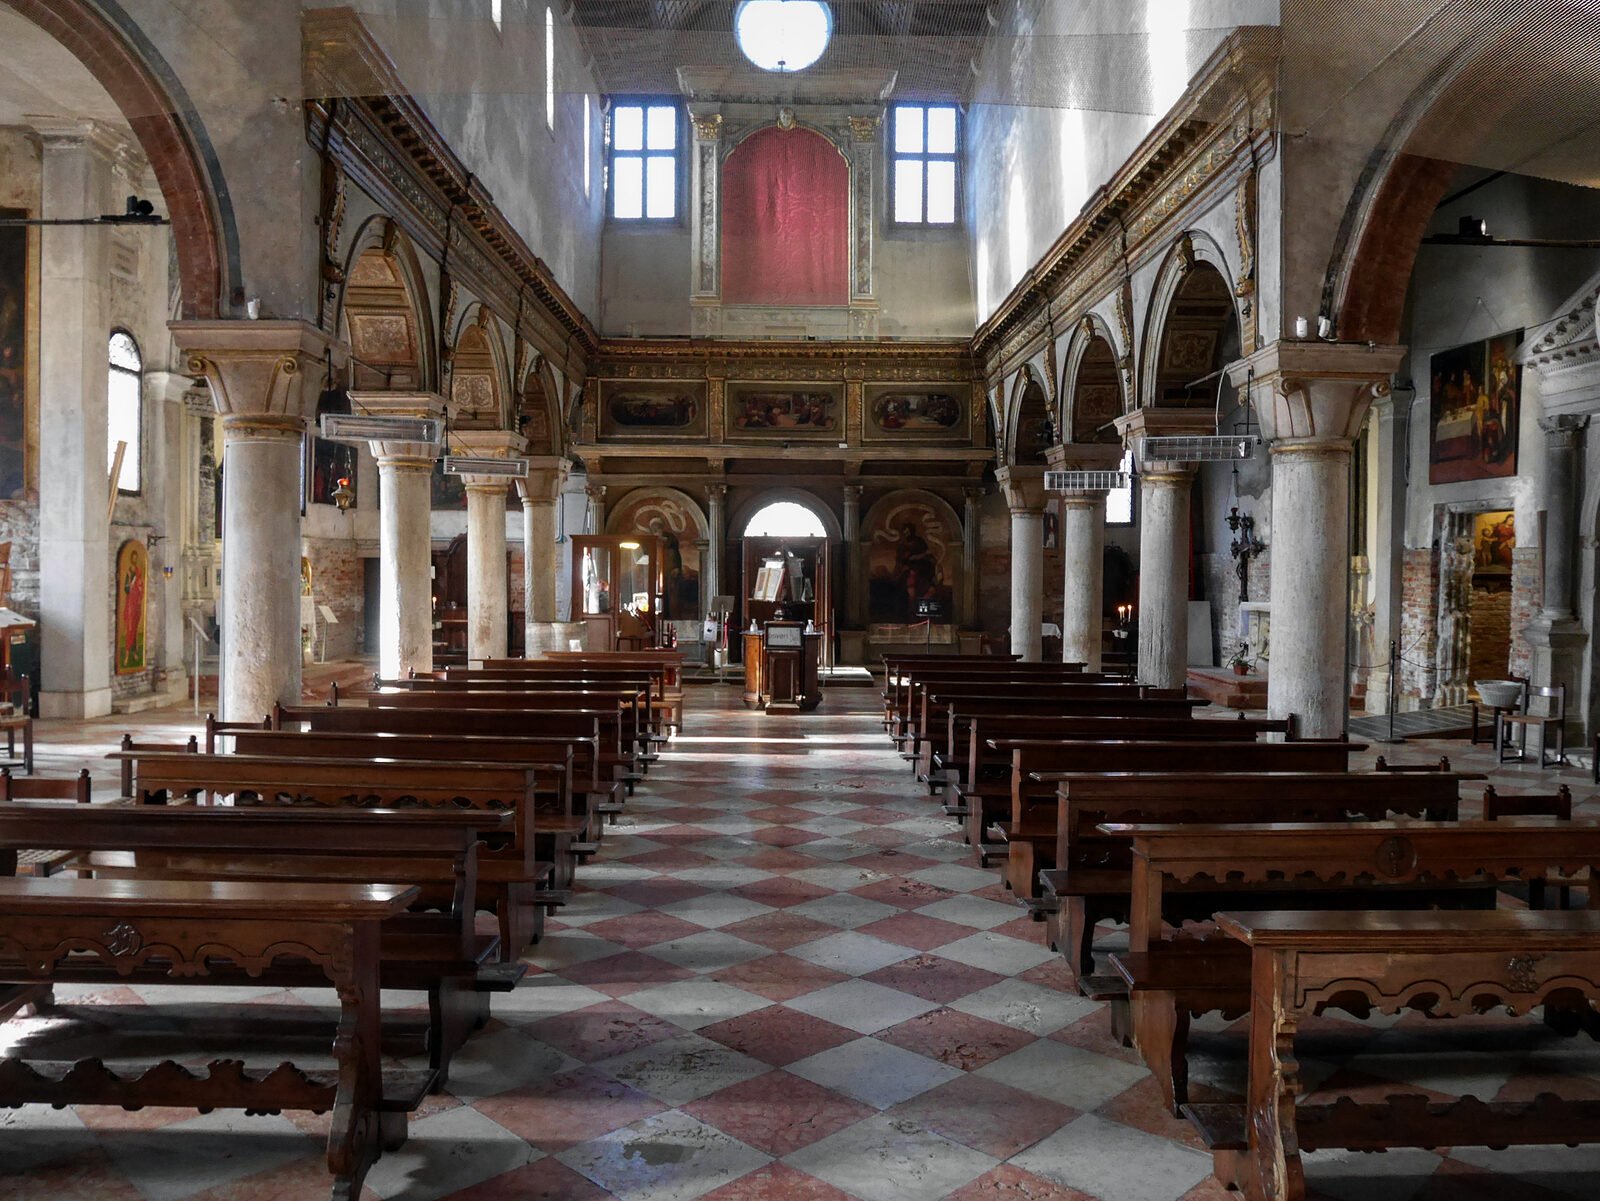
(1029, 430)
(1191, 326)
(1091, 384)
(753, 504)
(172, 136)
(539, 409)
(676, 520)
(383, 316)
(903, 566)
(478, 373)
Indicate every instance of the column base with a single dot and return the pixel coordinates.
(75, 706)
(1558, 643)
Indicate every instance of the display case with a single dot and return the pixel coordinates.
(616, 590)
(790, 579)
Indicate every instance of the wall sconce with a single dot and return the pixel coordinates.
(344, 496)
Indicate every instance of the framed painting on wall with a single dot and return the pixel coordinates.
(13, 353)
(913, 561)
(133, 582)
(784, 411)
(1475, 406)
(914, 412)
(652, 409)
(1494, 538)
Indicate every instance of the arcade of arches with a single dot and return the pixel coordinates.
(1258, 360)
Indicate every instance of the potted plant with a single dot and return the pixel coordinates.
(1240, 662)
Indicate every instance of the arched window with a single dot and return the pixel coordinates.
(124, 410)
(785, 519)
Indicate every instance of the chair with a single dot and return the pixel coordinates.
(1553, 700)
(39, 862)
(1557, 805)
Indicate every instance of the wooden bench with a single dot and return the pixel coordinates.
(1467, 962)
(897, 666)
(178, 933)
(633, 703)
(902, 684)
(1349, 866)
(665, 678)
(913, 717)
(435, 850)
(1092, 880)
(513, 882)
(1037, 766)
(43, 860)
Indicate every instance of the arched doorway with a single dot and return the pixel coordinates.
(788, 551)
(784, 519)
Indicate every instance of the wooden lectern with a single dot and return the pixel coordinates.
(781, 668)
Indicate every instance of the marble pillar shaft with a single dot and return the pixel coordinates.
(260, 563)
(1163, 613)
(1027, 583)
(539, 558)
(1310, 585)
(405, 566)
(486, 570)
(1083, 532)
(1561, 451)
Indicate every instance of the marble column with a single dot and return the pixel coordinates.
(1556, 636)
(1163, 612)
(716, 538)
(1024, 489)
(75, 649)
(1083, 539)
(1312, 399)
(488, 580)
(547, 474)
(597, 507)
(405, 534)
(854, 557)
(1390, 438)
(970, 519)
(258, 373)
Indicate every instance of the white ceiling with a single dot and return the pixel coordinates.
(40, 77)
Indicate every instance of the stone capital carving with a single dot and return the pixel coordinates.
(1163, 422)
(1563, 432)
(487, 444)
(1084, 456)
(863, 128)
(1307, 394)
(1023, 488)
(259, 367)
(547, 476)
(412, 456)
(707, 126)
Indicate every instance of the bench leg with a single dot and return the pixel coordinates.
(1161, 1032)
(1077, 936)
(357, 1131)
(521, 920)
(455, 1009)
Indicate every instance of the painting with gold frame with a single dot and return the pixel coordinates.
(133, 586)
(782, 412)
(13, 357)
(652, 409)
(934, 412)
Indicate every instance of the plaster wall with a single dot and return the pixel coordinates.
(1064, 95)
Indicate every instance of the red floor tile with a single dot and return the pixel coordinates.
(777, 1182)
(779, 977)
(957, 1039)
(933, 979)
(601, 1031)
(778, 1035)
(619, 975)
(547, 1180)
(780, 892)
(780, 930)
(1007, 1183)
(569, 1108)
(637, 930)
(906, 893)
(778, 1113)
(916, 930)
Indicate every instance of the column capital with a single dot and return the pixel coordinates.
(852, 492)
(1164, 421)
(1084, 456)
(547, 475)
(1023, 487)
(1561, 433)
(716, 492)
(974, 493)
(405, 455)
(1307, 394)
(258, 367)
(486, 444)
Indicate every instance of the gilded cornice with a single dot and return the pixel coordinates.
(1221, 125)
(359, 108)
(644, 358)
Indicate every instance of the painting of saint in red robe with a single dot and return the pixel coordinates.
(133, 579)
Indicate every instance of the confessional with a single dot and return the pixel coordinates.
(616, 590)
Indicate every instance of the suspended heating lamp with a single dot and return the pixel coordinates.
(783, 35)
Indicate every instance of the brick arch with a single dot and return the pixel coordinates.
(169, 132)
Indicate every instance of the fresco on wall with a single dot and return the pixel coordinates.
(678, 529)
(13, 342)
(913, 561)
(912, 412)
(133, 581)
(653, 409)
(1494, 539)
(783, 412)
(1475, 402)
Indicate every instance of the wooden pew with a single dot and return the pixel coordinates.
(436, 850)
(554, 760)
(1298, 960)
(1359, 866)
(895, 666)
(175, 932)
(1038, 765)
(664, 677)
(908, 700)
(666, 660)
(512, 881)
(900, 683)
(1092, 880)
(43, 860)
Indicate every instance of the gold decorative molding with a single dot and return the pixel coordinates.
(863, 128)
(707, 128)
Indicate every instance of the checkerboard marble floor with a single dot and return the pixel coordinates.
(783, 979)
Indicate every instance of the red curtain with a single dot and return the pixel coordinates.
(785, 220)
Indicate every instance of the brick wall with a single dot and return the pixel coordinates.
(1419, 624)
(1527, 597)
(338, 581)
(1491, 632)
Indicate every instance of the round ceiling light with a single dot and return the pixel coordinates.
(783, 35)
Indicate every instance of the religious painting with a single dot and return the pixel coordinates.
(13, 349)
(1475, 402)
(447, 494)
(913, 562)
(784, 411)
(133, 581)
(917, 411)
(675, 409)
(674, 521)
(330, 463)
(1494, 538)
